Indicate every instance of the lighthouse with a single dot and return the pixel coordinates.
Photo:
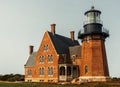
(94, 66)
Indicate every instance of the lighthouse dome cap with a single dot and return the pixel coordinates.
(92, 10)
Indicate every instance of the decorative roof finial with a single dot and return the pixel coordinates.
(92, 7)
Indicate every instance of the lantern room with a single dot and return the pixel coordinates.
(93, 24)
(92, 16)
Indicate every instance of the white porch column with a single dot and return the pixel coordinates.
(65, 72)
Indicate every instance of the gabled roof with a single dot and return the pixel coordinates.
(75, 50)
(31, 60)
(62, 43)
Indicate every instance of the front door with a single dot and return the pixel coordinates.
(75, 72)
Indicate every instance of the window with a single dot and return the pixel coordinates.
(29, 72)
(86, 69)
(90, 17)
(73, 58)
(50, 70)
(50, 58)
(63, 58)
(41, 59)
(45, 47)
(41, 71)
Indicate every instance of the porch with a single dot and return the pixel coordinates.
(68, 72)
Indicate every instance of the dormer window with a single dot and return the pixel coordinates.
(45, 47)
(64, 58)
(73, 58)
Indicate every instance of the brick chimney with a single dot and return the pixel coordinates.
(72, 35)
(31, 49)
(53, 28)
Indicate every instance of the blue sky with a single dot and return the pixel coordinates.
(23, 23)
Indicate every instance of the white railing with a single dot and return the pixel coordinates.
(104, 30)
(82, 31)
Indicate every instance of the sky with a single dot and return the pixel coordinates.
(24, 22)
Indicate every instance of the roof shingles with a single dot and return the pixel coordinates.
(62, 43)
(31, 60)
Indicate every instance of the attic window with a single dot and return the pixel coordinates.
(45, 47)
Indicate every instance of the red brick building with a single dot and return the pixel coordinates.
(61, 59)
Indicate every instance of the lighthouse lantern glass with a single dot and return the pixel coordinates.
(93, 17)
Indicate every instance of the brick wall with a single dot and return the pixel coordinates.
(94, 56)
(49, 52)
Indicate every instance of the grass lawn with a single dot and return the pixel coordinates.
(22, 84)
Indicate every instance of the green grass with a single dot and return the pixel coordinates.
(5, 84)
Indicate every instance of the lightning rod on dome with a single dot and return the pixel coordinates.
(92, 3)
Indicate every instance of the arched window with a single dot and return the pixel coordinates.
(41, 59)
(30, 72)
(50, 70)
(86, 69)
(45, 47)
(50, 58)
(41, 71)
